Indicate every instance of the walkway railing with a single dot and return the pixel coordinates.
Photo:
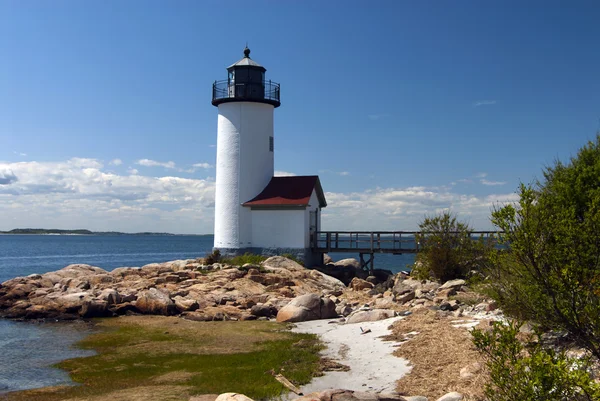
(394, 242)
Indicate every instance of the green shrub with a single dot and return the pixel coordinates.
(446, 249)
(550, 273)
(241, 260)
(213, 257)
(531, 372)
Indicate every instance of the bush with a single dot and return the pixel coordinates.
(241, 260)
(531, 372)
(213, 257)
(446, 249)
(550, 273)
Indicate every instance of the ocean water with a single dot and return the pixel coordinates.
(28, 349)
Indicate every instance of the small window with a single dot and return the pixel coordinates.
(271, 143)
(232, 77)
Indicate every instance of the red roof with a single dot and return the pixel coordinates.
(289, 191)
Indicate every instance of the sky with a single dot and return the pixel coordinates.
(403, 108)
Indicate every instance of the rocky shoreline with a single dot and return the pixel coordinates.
(278, 288)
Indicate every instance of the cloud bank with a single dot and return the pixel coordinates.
(82, 193)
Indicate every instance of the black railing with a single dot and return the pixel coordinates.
(266, 91)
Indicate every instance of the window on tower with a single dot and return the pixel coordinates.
(271, 143)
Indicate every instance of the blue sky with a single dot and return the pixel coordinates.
(403, 108)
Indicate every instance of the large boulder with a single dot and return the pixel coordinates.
(348, 263)
(456, 284)
(155, 302)
(233, 397)
(358, 284)
(307, 307)
(280, 262)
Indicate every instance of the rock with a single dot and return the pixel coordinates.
(155, 302)
(343, 310)
(348, 263)
(372, 315)
(95, 308)
(307, 307)
(279, 262)
(111, 296)
(409, 296)
(184, 304)
(263, 310)
(453, 396)
(232, 397)
(401, 288)
(456, 284)
(327, 259)
(416, 398)
(468, 372)
(358, 284)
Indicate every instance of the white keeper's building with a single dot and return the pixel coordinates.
(255, 211)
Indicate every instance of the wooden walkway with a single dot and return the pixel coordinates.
(372, 242)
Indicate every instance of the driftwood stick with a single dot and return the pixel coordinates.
(281, 379)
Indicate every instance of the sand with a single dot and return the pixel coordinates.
(373, 368)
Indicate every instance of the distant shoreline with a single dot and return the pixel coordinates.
(53, 231)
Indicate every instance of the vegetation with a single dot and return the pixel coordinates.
(550, 273)
(241, 260)
(533, 372)
(166, 358)
(447, 250)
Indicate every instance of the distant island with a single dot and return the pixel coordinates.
(56, 231)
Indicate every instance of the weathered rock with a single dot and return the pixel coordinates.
(232, 397)
(95, 308)
(110, 295)
(155, 302)
(371, 315)
(358, 284)
(453, 284)
(307, 307)
(279, 262)
(416, 398)
(327, 259)
(468, 372)
(265, 310)
(453, 396)
(348, 263)
(408, 296)
(184, 304)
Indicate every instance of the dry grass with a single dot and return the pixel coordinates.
(437, 355)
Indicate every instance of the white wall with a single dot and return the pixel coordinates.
(279, 228)
(244, 167)
(313, 205)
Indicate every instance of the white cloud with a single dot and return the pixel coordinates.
(212, 146)
(481, 175)
(154, 163)
(19, 153)
(133, 171)
(284, 174)
(342, 173)
(492, 183)
(81, 193)
(202, 165)
(484, 103)
(116, 162)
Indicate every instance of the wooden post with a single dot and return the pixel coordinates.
(371, 241)
(328, 242)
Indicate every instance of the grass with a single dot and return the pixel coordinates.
(241, 260)
(166, 358)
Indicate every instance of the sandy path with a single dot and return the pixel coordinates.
(373, 368)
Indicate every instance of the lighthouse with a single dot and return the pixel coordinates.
(255, 211)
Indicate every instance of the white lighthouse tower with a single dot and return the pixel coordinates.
(245, 162)
(255, 211)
